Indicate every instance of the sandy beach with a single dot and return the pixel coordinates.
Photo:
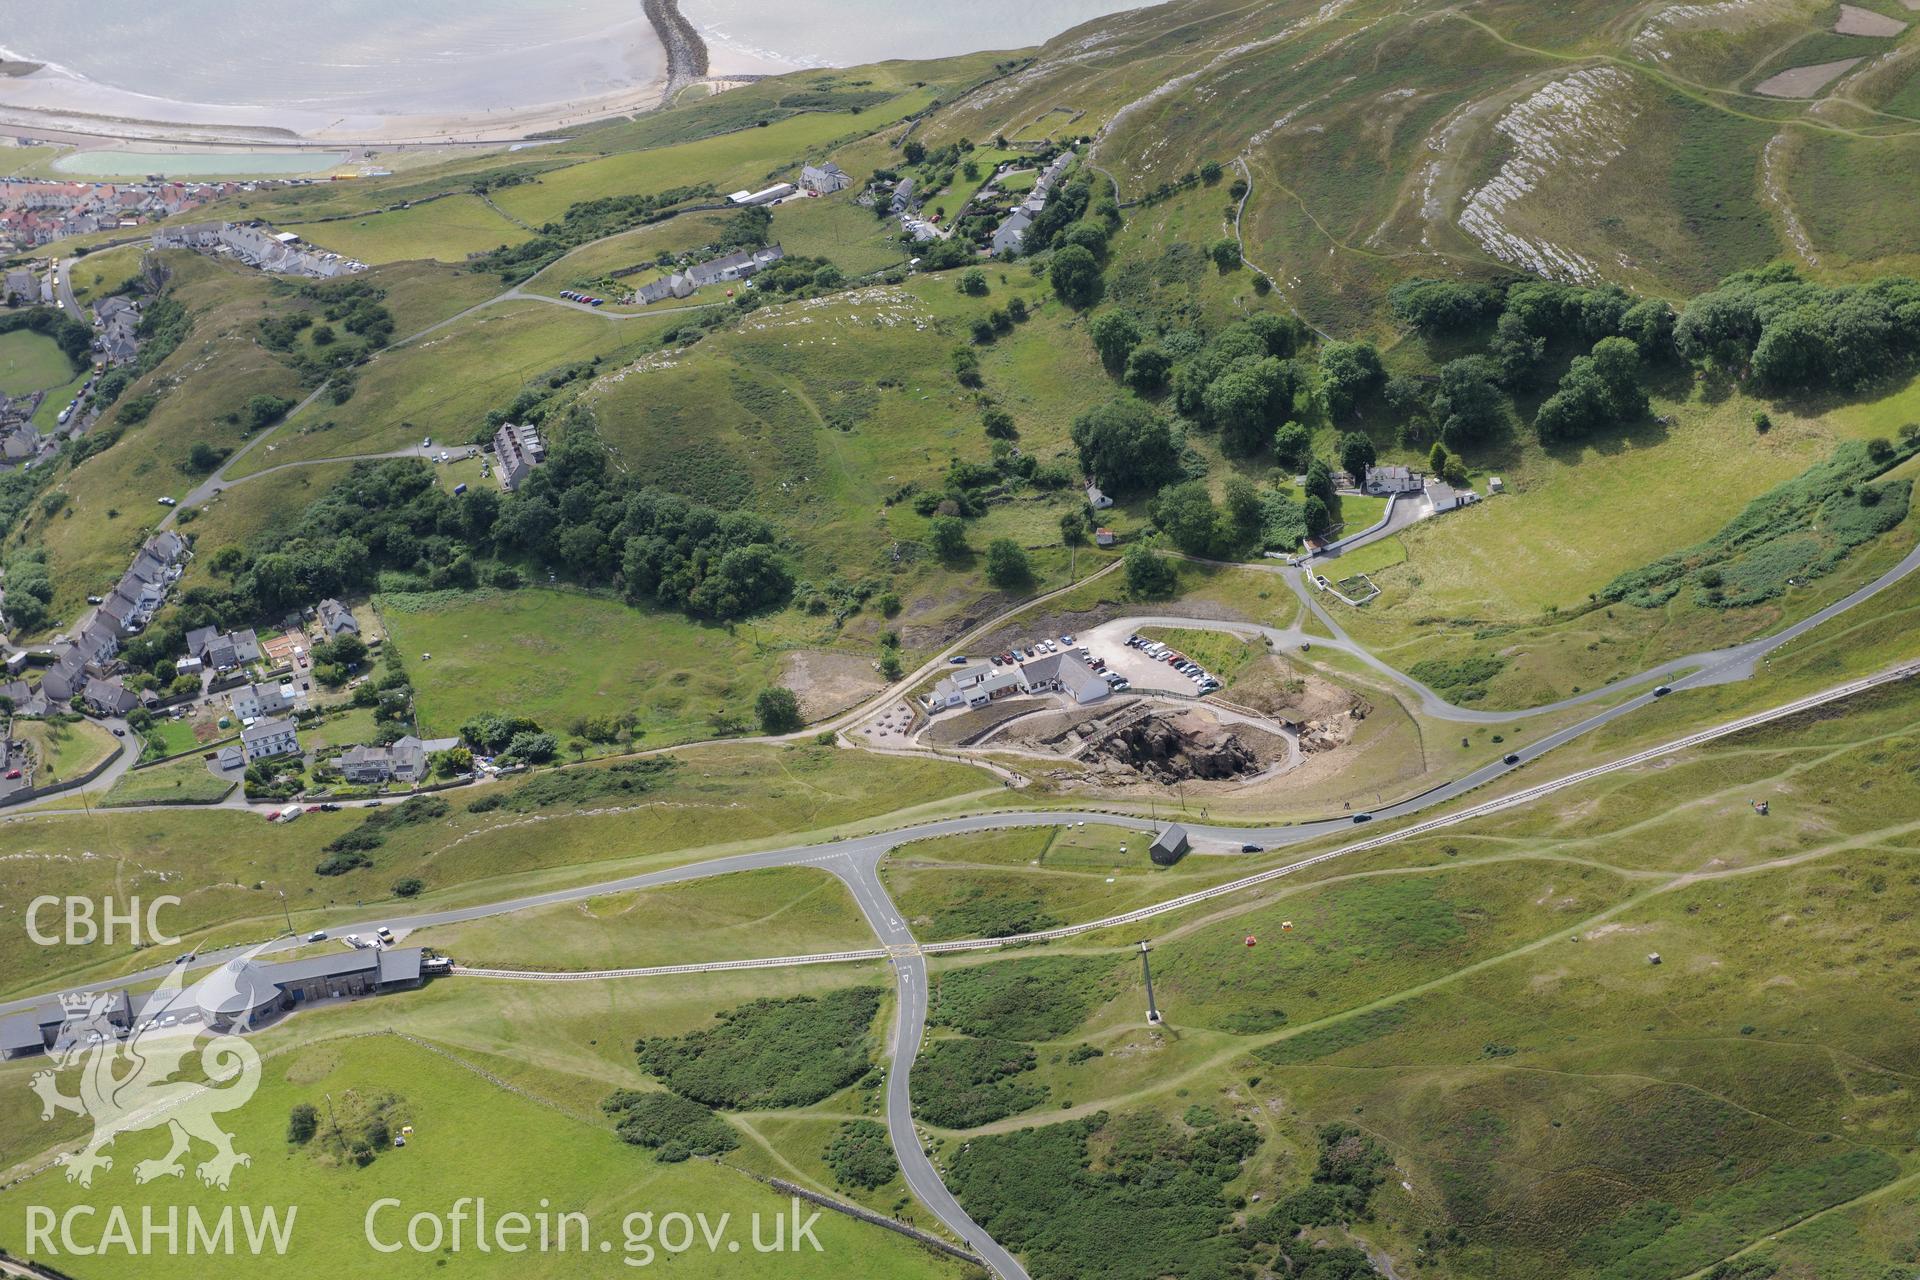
(34, 105)
(440, 72)
(430, 72)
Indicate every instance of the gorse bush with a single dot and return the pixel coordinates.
(673, 1128)
(770, 1053)
(958, 1084)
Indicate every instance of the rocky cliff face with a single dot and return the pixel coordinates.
(1178, 748)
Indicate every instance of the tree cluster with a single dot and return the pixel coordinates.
(1798, 336)
(576, 513)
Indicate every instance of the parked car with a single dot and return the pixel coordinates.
(355, 941)
(1251, 848)
(12, 774)
(385, 934)
(93, 599)
(118, 732)
(1067, 639)
(328, 808)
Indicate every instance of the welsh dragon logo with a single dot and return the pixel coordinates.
(126, 1075)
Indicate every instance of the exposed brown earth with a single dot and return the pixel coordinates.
(828, 683)
(1804, 82)
(1324, 712)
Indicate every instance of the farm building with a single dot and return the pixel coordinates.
(1169, 846)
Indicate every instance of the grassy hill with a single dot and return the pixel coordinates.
(1593, 140)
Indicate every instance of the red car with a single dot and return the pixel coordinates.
(12, 774)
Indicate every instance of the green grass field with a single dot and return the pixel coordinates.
(229, 867)
(784, 911)
(447, 230)
(444, 384)
(469, 1133)
(98, 274)
(32, 362)
(835, 228)
(1022, 880)
(1481, 1002)
(182, 781)
(728, 161)
(62, 752)
(177, 737)
(563, 656)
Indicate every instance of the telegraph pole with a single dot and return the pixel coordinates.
(1146, 971)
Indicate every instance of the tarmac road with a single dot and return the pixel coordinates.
(856, 862)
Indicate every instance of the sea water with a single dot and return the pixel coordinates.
(464, 58)
(786, 34)
(356, 57)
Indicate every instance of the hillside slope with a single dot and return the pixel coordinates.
(1656, 146)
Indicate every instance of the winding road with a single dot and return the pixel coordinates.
(856, 862)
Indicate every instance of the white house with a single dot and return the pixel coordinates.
(1445, 497)
(975, 686)
(825, 179)
(1393, 480)
(766, 195)
(1096, 499)
(252, 701)
(1011, 235)
(267, 738)
(1065, 673)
